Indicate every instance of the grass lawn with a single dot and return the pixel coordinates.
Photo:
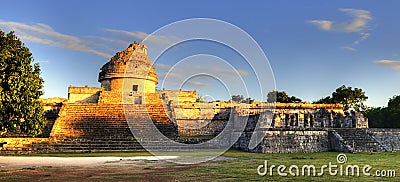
(235, 166)
(244, 168)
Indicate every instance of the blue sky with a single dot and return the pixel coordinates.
(313, 47)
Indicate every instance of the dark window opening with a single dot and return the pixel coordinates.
(138, 100)
(135, 88)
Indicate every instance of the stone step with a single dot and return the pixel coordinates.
(359, 140)
(108, 120)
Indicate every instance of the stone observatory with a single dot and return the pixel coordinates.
(129, 71)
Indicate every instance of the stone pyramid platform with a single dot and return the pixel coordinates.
(104, 127)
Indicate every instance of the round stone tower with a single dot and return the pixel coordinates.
(129, 71)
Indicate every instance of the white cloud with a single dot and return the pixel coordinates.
(364, 36)
(155, 39)
(200, 84)
(322, 24)
(163, 67)
(389, 63)
(183, 71)
(44, 34)
(204, 69)
(360, 19)
(178, 77)
(358, 24)
(348, 48)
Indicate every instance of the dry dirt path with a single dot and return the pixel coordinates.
(137, 168)
(13, 162)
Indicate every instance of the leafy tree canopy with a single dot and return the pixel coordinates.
(281, 96)
(20, 88)
(237, 98)
(394, 103)
(386, 117)
(349, 97)
(200, 98)
(241, 99)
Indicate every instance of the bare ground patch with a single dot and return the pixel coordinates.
(92, 169)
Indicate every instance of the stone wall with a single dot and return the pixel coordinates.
(83, 94)
(51, 107)
(21, 145)
(52, 103)
(200, 110)
(180, 96)
(126, 85)
(276, 140)
(307, 140)
(197, 127)
(153, 98)
(113, 97)
(390, 137)
(286, 141)
(306, 118)
(310, 138)
(116, 97)
(199, 119)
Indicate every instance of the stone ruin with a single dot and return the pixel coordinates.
(95, 118)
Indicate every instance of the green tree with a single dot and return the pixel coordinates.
(349, 97)
(241, 99)
(394, 103)
(386, 117)
(247, 100)
(325, 100)
(294, 99)
(20, 88)
(237, 98)
(200, 98)
(281, 96)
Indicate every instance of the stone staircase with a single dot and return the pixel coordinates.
(359, 140)
(106, 127)
(87, 145)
